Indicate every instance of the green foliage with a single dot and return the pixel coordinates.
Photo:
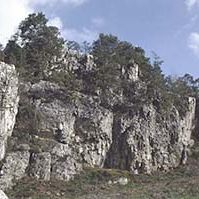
(66, 79)
(111, 54)
(36, 47)
(14, 54)
(179, 89)
(38, 51)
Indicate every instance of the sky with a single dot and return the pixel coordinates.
(170, 28)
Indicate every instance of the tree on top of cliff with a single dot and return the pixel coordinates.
(42, 45)
(111, 54)
(38, 48)
(14, 54)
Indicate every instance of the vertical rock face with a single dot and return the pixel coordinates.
(83, 125)
(93, 129)
(85, 133)
(143, 144)
(186, 124)
(196, 127)
(81, 131)
(8, 103)
(72, 132)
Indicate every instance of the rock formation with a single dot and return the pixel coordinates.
(141, 143)
(14, 168)
(3, 195)
(8, 103)
(70, 132)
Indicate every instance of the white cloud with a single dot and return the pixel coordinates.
(12, 12)
(187, 27)
(193, 43)
(56, 22)
(80, 35)
(191, 3)
(98, 21)
(72, 34)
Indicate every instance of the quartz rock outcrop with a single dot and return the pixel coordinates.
(8, 103)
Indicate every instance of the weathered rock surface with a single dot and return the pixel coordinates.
(141, 143)
(8, 103)
(82, 126)
(3, 195)
(137, 140)
(14, 168)
(65, 168)
(40, 166)
(71, 132)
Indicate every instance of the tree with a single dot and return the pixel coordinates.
(42, 44)
(86, 47)
(156, 79)
(73, 46)
(14, 54)
(103, 49)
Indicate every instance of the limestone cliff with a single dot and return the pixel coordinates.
(57, 133)
(141, 144)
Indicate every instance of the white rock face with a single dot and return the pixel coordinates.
(186, 124)
(8, 103)
(93, 127)
(81, 128)
(89, 134)
(142, 144)
(131, 73)
(14, 168)
(3, 195)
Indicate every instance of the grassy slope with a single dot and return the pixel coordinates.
(182, 183)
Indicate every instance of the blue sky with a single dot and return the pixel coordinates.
(168, 27)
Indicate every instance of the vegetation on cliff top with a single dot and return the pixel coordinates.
(40, 53)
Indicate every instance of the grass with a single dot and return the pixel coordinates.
(93, 183)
